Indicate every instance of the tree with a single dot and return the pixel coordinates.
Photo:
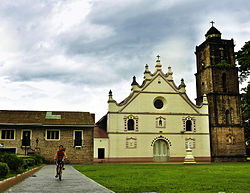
(245, 100)
(243, 58)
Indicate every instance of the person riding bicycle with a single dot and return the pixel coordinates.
(60, 156)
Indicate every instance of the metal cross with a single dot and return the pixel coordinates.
(212, 22)
(158, 57)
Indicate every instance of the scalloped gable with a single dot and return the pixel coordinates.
(159, 86)
(155, 86)
(144, 103)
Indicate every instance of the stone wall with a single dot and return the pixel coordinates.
(48, 148)
(228, 144)
(220, 84)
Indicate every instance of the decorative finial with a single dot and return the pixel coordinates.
(158, 57)
(146, 69)
(182, 85)
(169, 70)
(134, 81)
(110, 93)
(110, 97)
(212, 22)
(158, 63)
(169, 74)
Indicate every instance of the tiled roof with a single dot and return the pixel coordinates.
(46, 117)
(212, 30)
(100, 132)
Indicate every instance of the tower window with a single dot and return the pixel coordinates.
(227, 117)
(221, 53)
(131, 124)
(202, 64)
(224, 82)
(232, 115)
(188, 125)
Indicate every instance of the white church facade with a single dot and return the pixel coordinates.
(154, 123)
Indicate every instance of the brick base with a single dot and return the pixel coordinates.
(229, 159)
(146, 159)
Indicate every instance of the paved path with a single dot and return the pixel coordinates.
(72, 181)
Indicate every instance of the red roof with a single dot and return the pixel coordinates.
(46, 118)
(99, 132)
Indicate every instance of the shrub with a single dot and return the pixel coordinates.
(30, 161)
(25, 165)
(223, 64)
(1, 157)
(4, 169)
(39, 159)
(13, 161)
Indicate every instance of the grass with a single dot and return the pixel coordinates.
(216, 177)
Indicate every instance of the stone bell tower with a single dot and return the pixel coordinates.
(217, 77)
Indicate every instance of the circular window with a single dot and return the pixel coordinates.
(158, 104)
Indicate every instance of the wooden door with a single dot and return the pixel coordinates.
(161, 151)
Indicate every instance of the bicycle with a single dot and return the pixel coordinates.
(59, 169)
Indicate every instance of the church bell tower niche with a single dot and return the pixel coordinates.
(217, 77)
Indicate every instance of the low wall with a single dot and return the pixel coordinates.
(7, 183)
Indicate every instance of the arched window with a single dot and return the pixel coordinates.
(160, 123)
(131, 124)
(227, 117)
(202, 64)
(224, 82)
(188, 125)
(232, 115)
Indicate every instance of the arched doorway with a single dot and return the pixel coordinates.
(161, 151)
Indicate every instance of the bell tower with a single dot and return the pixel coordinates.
(217, 77)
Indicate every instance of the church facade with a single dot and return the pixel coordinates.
(155, 122)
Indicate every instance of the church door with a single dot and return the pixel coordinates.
(161, 151)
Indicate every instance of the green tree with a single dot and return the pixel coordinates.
(245, 100)
(243, 58)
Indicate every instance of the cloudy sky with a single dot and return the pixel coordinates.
(67, 54)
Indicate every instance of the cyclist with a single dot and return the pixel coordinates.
(60, 156)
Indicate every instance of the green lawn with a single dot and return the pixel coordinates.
(216, 177)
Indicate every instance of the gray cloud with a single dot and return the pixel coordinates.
(101, 44)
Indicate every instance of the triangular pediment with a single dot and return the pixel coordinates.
(160, 84)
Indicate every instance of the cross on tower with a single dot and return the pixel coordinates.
(212, 22)
(158, 57)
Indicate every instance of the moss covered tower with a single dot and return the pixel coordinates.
(217, 76)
